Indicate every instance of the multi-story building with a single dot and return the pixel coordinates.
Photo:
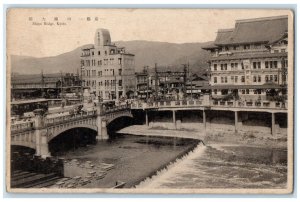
(143, 85)
(107, 70)
(249, 62)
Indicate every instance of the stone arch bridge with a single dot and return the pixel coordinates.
(36, 133)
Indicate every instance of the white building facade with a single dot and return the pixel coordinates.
(107, 70)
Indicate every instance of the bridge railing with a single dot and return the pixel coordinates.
(211, 103)
(250, 104)
(69, 117)
(178, 103)
(115, 109)
(22, 126)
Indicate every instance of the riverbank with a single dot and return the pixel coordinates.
(212, 137)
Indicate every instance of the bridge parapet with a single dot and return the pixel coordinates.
(114, 109)
(69, 117)
(262, 104)
(22, 126)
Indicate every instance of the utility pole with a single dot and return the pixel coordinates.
(191, 82)
(184, 79)
(115, 82)
(43, 84)
(147, 80)
(156, 82)
(61, 84)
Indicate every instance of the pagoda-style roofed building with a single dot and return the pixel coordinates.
(249, 62)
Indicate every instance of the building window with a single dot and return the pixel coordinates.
(242, 65)
(119, 61)
(243, 91)
(92, 52)
(236, 79)
(98, 52)
(283, 50)
(247, 91)
(258, 65)
(215, 91)
(275, 64)
(271, 78)
(232, 66)
(225, 66)
(254, 65)
(215, 67)
(254, 78)
(120, 82)
(221, 66)
(232, 79)
(105, 52)
(222, 80)
(275, 78)
(266, 64)
(225, 79)
(215, 79)
(258, 78)
(266, 78)
(243, 79)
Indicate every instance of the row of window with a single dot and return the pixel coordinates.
(255, 65)
(106, 83)
(234, 79)
(86, 53)
(107, 72)
(110, 61)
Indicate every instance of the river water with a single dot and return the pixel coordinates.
(134, 157)
(213, 166)
(224, 166)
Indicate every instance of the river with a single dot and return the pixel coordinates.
(224, 166)
(213, 166)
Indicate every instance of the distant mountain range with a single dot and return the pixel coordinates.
(147, 53)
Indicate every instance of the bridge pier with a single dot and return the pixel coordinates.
(41, 140)
(204, 120)
(174, 119)
(236, 118)
(147, 118)
(273, 130)
(101, 126)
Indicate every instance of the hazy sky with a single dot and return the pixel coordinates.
(167, 25)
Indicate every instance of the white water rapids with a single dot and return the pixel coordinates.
(168, 174)
(222, 167)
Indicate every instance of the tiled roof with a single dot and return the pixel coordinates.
(254, 31)
(223, 36)
(249, 55)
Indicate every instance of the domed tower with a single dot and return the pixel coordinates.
(102, 37)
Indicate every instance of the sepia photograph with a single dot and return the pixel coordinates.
(149, 100)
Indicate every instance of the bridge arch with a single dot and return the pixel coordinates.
(73, 137)
(25, 144)
(56, 131)
(119, 122)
